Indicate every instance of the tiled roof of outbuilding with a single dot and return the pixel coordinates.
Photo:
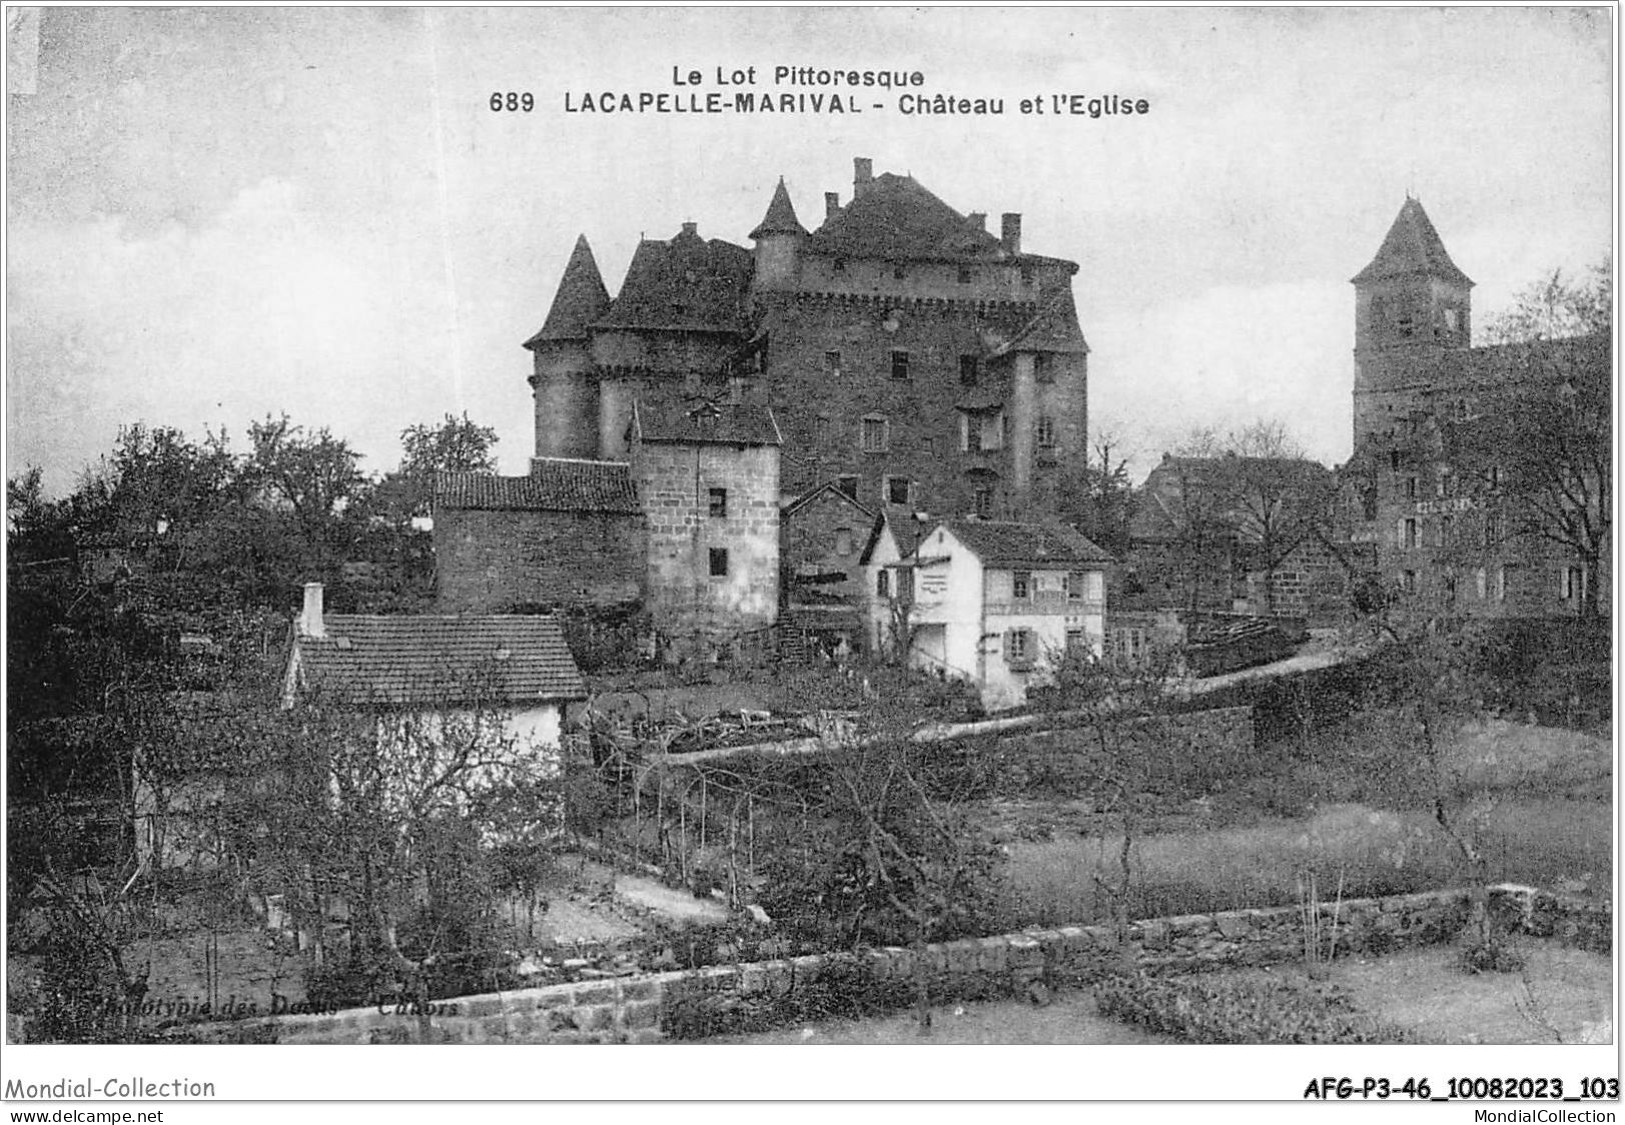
(1008, 543)
(439, 661)
(555, 484)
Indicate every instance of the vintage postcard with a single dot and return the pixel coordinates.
(1081, 528)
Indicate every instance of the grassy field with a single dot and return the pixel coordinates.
(1376, 852)
(1536, 801)
(1563, 993)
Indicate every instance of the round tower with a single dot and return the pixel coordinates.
(564, 382)
(778, 239)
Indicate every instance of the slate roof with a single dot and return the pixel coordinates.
(780, 217)
(554, 485)
(1412, 246)
(581, 299)
(705, 423)
(400, 661)
(686, 283)
(894, 217)
(812, 494)
(1008, 543)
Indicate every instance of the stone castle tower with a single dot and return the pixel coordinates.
(1412, 310)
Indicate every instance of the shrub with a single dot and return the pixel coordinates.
(1226, 1010)
(842, 988)
(1495, 956)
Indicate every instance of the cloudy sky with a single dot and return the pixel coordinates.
(218, 214)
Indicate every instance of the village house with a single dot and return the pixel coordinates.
(1260, 536)
(824, 588)
(504, 680)
(997, 603)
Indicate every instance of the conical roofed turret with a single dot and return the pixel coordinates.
(780, 217)
(581, 299)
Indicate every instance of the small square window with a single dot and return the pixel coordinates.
(719, 562)
(1026, 275)
(928, 447)
(970, 368)
(899, 365)
(897, 489)
(965, 276)
(719, 502)
(1021, 583)
(839, 265)
(832, 362)
(898, 273)
(1043, 369)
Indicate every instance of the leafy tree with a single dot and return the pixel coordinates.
(1538, 447)
(1273, 497)
(316, 480)
(401, 815)
(1556, 308)
(1098, 496)
(1437, 660)
(455, 445)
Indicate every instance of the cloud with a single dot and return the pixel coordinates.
(1228, 356)
(262, 310)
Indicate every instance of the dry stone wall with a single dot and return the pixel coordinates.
(631, 1009)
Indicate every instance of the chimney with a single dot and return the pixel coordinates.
(1010, 232)
(692, 228)
(978, 219)
(311, 623)
(832, 203)
(863, 174)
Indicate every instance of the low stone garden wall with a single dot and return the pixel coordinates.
(634, 1009)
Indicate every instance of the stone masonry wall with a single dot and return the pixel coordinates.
(491, 562)
(675, 482)
(630, 1009)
